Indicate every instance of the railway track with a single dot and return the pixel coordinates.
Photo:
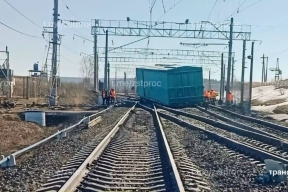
(142, 154)
(278, 131)
(133, 156)
(37, 165)
(274, 147)
(238, 148)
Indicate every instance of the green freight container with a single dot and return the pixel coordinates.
(179, 86)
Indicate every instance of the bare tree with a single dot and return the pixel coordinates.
(87, 70)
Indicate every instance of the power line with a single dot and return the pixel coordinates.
(235, 10)
(163, 6)
(82, 38)
(250, 5)
(243, 8)
(212, 9)
(68, 8)
(18, 31)
(169, 9)
(68, 60)
(279, 53)
(22, 14)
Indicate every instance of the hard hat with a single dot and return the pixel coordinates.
(229, 91)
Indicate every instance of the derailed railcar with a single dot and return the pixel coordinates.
(171, 86)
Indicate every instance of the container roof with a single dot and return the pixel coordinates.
(166, 68)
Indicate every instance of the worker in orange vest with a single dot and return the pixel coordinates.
(230, 97)
(112, 95)
(213, 96)
(206, 100)
(205, 94)
(209, 96)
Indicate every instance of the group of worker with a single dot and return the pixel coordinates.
(108, 96)
(210, 97)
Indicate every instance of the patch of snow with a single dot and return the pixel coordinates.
(266, 93)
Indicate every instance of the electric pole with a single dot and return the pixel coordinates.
(266, 70)
(229, 60)
(251, 76)
(115, 80)
(232, 76)
(263, 69)
(108, 74)
(7, 75)
(106, 62)
(209, 79)
(9, 79)
(53, 96)
(243, 73)
(222, 77)
(125, 83)
(95, 64)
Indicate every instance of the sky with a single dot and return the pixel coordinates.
(267, 18)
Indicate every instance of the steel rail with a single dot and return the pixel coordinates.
(85, 121)
(232, 122)
(229, 127)
(223, 139)
(75, 180)
(259, 121)
(77, 176)
(176, 174)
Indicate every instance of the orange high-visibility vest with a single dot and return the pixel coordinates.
(229, 97)
(206, 94)
(213, 94)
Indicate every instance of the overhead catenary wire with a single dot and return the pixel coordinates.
(239, 11)
(22, 14)
(35, 25)
(235, 10)
(175, 4)
(68, 8)
(68, 60)
(250, 5)
(212, 9)
(19, 31)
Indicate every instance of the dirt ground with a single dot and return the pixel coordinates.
(16, 134)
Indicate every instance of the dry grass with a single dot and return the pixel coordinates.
(69, 93)
(16, 134)
(74, 94)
